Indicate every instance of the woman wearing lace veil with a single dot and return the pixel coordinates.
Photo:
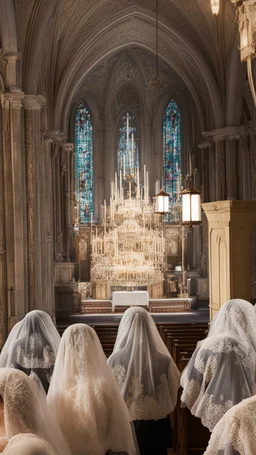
(28, 444)
(84, 396)
(235, 433)
(24, 409)
(222, 369)
(32, 346)
(148, 379)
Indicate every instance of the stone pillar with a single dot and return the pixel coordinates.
(34, 177)
(231, 168)
(57, 138)
(230, 227)
(13, 208)
(47, 238)
(67, 149)
(220, 169)
(11, 69)
(253, 165)
(244, 167)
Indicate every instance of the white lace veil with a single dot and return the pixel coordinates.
(85, 398)
(32, 346)
(235, 433)
(28, 444)
(26, 409)
(145, 371)
(222, 369)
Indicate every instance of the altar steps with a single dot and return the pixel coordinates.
(155, 306)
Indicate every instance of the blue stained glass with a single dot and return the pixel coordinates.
(124, 154)
(172, 158)
(84, 163)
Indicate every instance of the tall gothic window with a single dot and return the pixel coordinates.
(127, 145)
(84, 163)
(172, 158)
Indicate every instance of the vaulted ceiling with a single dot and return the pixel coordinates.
(69, 47)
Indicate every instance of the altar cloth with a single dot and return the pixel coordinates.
(130, 298)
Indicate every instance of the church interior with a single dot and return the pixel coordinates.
(128, 174)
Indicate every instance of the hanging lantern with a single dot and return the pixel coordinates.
(162, 202)
(215, 5)
(191, 207)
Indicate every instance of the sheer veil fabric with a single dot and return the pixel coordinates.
(144, 369)
(222, 370)
(26, 410)
(32, 346)
(28, 444)
(85, 398)
(235, 433)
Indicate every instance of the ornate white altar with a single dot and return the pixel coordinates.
(128, 247)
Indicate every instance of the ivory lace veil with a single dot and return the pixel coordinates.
(28, 444)
(26, 409)
(145, 371)
(222, 369)
(32, 346)
(85, 397)
(235, 433)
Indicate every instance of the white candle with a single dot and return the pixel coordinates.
(120, 181)
(130, 190)
(132, 149)
(115, 185)
(124, 167)
(105, 210)
(147, 185)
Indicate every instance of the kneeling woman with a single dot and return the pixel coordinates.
(84, 397)
(148, 379)
(222, 369)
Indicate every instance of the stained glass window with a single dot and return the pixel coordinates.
(172, 158)
(84, 163)
(127, 144)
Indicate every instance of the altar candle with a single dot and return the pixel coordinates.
(144, 180)
(105, 209)
(130, 190)
(147, 185)
(120, 181)
(115, 185)
(124, 167)
(132, 149)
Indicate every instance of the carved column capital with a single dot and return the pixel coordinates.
(12, 99)
(34, 102)
(229, 132)
(68, 147)
(54, 136)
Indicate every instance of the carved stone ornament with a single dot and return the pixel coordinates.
(2, 250)
(55, 136)
(34, 102)
(68, 147)
(12, 100)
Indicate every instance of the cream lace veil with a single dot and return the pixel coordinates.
(145, 371)
(28, 444)
(26, 409)
(235, 433)
(222, 369)
(85, 397)
(32, 346)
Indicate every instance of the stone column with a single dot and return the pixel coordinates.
(13, 208)
(244, 167)
(32, 106)
(231, 168)
(220, 169)
(68, 148)
(47, 238)
(253, 164)
(57, 138)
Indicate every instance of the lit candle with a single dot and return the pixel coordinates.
(124, 167)
(105, 210)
